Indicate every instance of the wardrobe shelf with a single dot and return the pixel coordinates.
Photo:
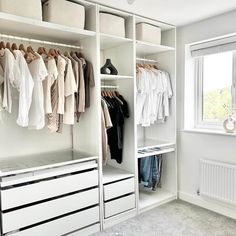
(36, 162)
(151, 143)
(146, 48)
(157, 152)
(149, 199)
(115, 77)
(112, 174)
(162, 25)
(111, 41)
(26, 27)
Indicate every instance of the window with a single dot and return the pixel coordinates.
(214, 80)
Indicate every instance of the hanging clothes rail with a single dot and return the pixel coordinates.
(39, 41)
(110, 86)
(146, 60)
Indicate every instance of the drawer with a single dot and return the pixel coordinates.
(46, 173)
(119, 188)
(30, 193)
(44, 211)
(86, 231)
(119, 205)
(63, 225)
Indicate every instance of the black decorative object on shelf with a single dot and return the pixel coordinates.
(109, 69)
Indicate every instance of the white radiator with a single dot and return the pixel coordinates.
(218, 181)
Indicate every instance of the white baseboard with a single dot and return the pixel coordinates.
(210, 204)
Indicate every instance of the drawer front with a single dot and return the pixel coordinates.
(26, 194)
(119, 205)
(46, 173)
(63, 225)
(87, 231)
(117, 189)
(40, 212)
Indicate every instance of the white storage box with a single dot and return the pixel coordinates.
(148, 33)
(64, 12)
(25, 8)
(111, 24)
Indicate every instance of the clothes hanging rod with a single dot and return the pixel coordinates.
(39, 41)
(147, 60)
(110, 86)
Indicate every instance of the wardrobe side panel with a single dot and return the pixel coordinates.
(87, 132)
(168, 38)
(169, 174)
(18, 141)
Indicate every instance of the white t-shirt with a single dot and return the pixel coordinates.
(52, 76)
(39, 72)
(70, 89)
(11, 77)
(26, 90)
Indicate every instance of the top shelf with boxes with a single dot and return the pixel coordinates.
(41, 30)
(153, 37)
(50, 21)
(115, 23)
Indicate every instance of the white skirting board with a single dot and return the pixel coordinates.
(210, 204)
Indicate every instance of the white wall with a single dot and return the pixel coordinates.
(193, 146)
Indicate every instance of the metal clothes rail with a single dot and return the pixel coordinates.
(39, 41)
(146, 60)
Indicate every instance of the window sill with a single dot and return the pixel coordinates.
(209, 131)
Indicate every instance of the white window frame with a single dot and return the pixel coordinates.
(198, 106)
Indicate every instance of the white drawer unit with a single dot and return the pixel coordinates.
(63, 225)
(119, 188)
(55, 201)
(119, 205)
(40, 212)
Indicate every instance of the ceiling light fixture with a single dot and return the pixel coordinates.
(130, 1)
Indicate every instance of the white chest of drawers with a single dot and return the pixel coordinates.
(51, 199)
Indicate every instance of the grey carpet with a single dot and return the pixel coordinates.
(177, 218)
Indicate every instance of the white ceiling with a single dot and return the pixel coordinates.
(177, 12)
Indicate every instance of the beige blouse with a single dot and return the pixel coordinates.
(70, 89)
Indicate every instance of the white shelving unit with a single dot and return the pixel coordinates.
(159, 138)
(86, 135)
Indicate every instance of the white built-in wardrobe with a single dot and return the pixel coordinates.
(56, 184)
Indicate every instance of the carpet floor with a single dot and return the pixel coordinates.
(176, 218)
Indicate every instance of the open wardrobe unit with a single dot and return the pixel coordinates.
(110, 152)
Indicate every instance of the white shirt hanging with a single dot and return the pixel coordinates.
(70, 89)
(25, 90)
(37, 113)
(153, 94)
(11, 77)
(52, 76)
